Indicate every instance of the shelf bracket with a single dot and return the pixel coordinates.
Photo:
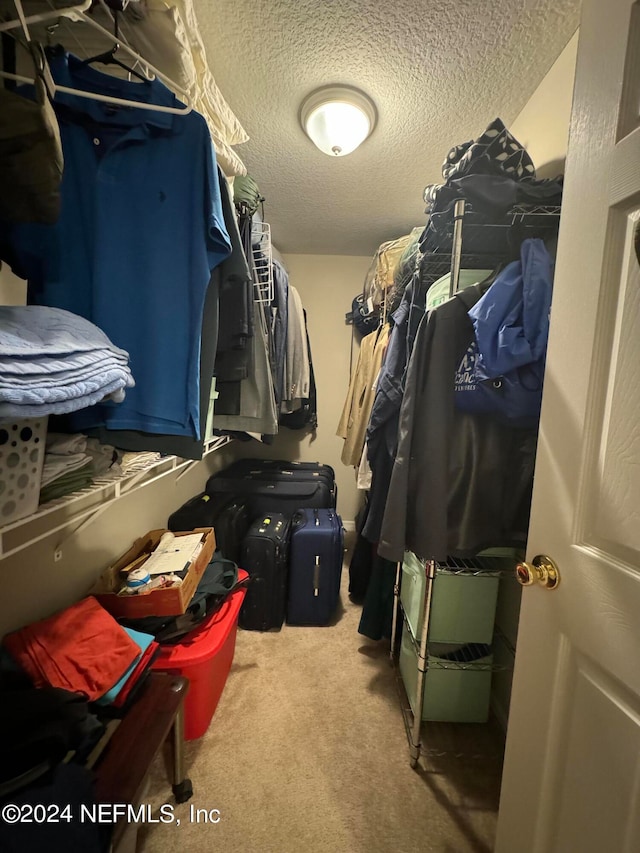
(215, 444)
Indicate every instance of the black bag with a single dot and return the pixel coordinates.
(265, 556)
(200, 511)
(219, 581)
(245, 466)
(364, 318)
(277, 471)
(228, 517)
(268, 496)
(231, 527)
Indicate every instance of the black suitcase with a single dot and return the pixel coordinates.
(294, 476)
(231, 527)
(267, 496)
(200, 511)
(229, 518)
(315, 566)
(241, 466)
(265, 556)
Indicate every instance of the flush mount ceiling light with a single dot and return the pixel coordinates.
(338, 119)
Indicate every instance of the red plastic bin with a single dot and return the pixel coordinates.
(205, 658)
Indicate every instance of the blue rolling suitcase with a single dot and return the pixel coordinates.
(315, 566)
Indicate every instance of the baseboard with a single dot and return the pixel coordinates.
(349, 526)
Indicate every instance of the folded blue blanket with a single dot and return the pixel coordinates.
(114, 391)
(38, 395)
(53, 362)
(23, 366)
(29, 330)
(61, 378)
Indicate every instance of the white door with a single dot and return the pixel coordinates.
(571, 780)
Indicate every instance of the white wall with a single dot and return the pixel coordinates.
(543, 124)
(35, 585)
(327, 284)
(13, 290)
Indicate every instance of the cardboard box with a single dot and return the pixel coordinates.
(158, 602)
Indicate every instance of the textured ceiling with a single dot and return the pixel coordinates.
(438, 70)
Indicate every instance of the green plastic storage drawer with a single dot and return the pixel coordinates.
(450, 695)
(463, 606)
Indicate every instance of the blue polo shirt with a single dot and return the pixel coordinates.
(141, 227)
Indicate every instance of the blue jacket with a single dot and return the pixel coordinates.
(502, 371)
(511, 321)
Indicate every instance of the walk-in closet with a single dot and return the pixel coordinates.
(319, 448)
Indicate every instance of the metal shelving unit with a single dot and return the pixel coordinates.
(483, 244)
(470, 242)
(472, 653)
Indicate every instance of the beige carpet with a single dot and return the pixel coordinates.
(307, 752)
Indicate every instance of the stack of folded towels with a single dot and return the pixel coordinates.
(71, 462)
(53, 362)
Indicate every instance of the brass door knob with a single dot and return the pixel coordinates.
(541, 570)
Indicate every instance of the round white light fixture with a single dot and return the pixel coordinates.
(338, 119)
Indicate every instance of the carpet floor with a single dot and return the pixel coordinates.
(307, 752)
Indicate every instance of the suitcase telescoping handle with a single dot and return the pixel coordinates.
(316, 577)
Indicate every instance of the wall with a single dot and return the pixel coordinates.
(543, 124)
(543, 128)
(13, 290)
(34, 584)
(327, 284)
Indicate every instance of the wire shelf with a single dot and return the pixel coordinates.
(535, 210)
(58, 514)
(468, 656)
(435, 265)
(488, 566)
(263, 262)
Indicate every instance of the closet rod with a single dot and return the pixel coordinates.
(95, 96)
(86, 19)
(78, 15)
(66, 12)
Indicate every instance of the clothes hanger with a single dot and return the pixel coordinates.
(75, 13)
(486, 283)
(109, 58)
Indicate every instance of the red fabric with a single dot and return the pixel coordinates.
(82, 649)
(140, 669)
